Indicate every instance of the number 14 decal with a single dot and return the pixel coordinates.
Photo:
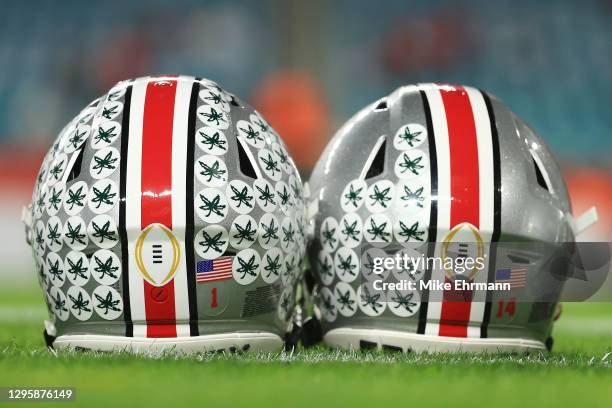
(506, 308)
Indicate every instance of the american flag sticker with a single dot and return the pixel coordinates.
(516, 277)
(214, 270)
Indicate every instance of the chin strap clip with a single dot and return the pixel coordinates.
(311, 328)
(311, 332)
(304, 327)
(585, 221)
(49, 334)
(292, 336)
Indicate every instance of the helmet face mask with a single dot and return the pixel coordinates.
(418, 173)
(168, 215)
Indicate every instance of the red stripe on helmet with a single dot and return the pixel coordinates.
(465, 203)
(156, 197)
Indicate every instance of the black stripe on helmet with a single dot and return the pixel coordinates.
(433, 213)
(496, 213)
(189, 211)
(125, 277)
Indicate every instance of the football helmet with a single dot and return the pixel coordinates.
(168, 215)
(418, 172)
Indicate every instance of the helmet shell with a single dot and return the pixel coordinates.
(168, 208)
(410, 171)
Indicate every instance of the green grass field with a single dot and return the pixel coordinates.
(577, 373)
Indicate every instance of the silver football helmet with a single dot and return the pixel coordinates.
(168, 215)
(421, 172)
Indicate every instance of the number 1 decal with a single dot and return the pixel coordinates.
(213, 304)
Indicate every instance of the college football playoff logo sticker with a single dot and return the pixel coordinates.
(157, 254)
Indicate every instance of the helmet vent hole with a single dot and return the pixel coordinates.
(390, 347)
(367, 345)
(76, 167)
(540, 171)
(539, 176)
(246, 166)
(382, 105)
(376, 160)
(233, 101)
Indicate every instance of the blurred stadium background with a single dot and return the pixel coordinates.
(307, 66)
